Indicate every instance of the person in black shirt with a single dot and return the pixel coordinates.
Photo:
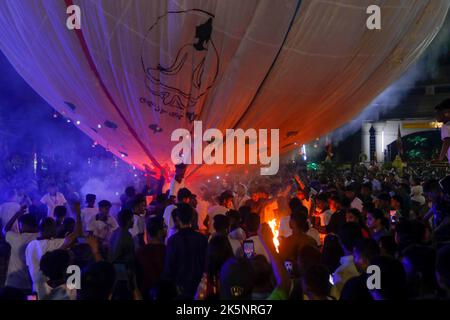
(185, 254)
(338, 218)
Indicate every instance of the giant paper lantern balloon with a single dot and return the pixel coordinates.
(137, 70)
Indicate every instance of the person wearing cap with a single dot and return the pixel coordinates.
(184, 195)
(443, 115)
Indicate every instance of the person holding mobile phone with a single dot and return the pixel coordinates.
(252, 223)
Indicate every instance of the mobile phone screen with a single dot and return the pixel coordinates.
(289, 267)
(32, 297)
(249, 248)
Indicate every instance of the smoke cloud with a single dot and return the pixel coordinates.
(427, 67)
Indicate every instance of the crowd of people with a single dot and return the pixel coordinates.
(219, 244)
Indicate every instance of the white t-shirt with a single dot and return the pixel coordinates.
(284, 230)
(357, 204)
(168, 219)
(102, 230)
(343, 273)
(237, 234)
(17, 275)
(138, 225)
(137, 229)
(214, 211)
(86, 216)
(445, 133)
(33, 254)
(325, 217)
(53, 201)
(7, 211)
(236, 245)
(314, 233)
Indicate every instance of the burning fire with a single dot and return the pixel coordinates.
(274, 226)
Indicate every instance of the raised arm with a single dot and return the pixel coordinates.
(78, 230)
(280, 272)
(93, 244)
(13, 219)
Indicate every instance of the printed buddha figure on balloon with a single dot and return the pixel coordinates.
(186, 71)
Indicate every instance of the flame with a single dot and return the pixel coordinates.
(274, 226)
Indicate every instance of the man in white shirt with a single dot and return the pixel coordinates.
(323, 213)
(252, 222)
(184, 195)
(8, 209)
(102, 225)
(47, 242)
(89, 211)
(355, 202)
(17, 275)
(225, 204)
(178, 180)
(139, 208)
(52, 199)
(443, 115)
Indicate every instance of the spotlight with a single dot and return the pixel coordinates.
(99, 126)
(78, 122)
(68, 121)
